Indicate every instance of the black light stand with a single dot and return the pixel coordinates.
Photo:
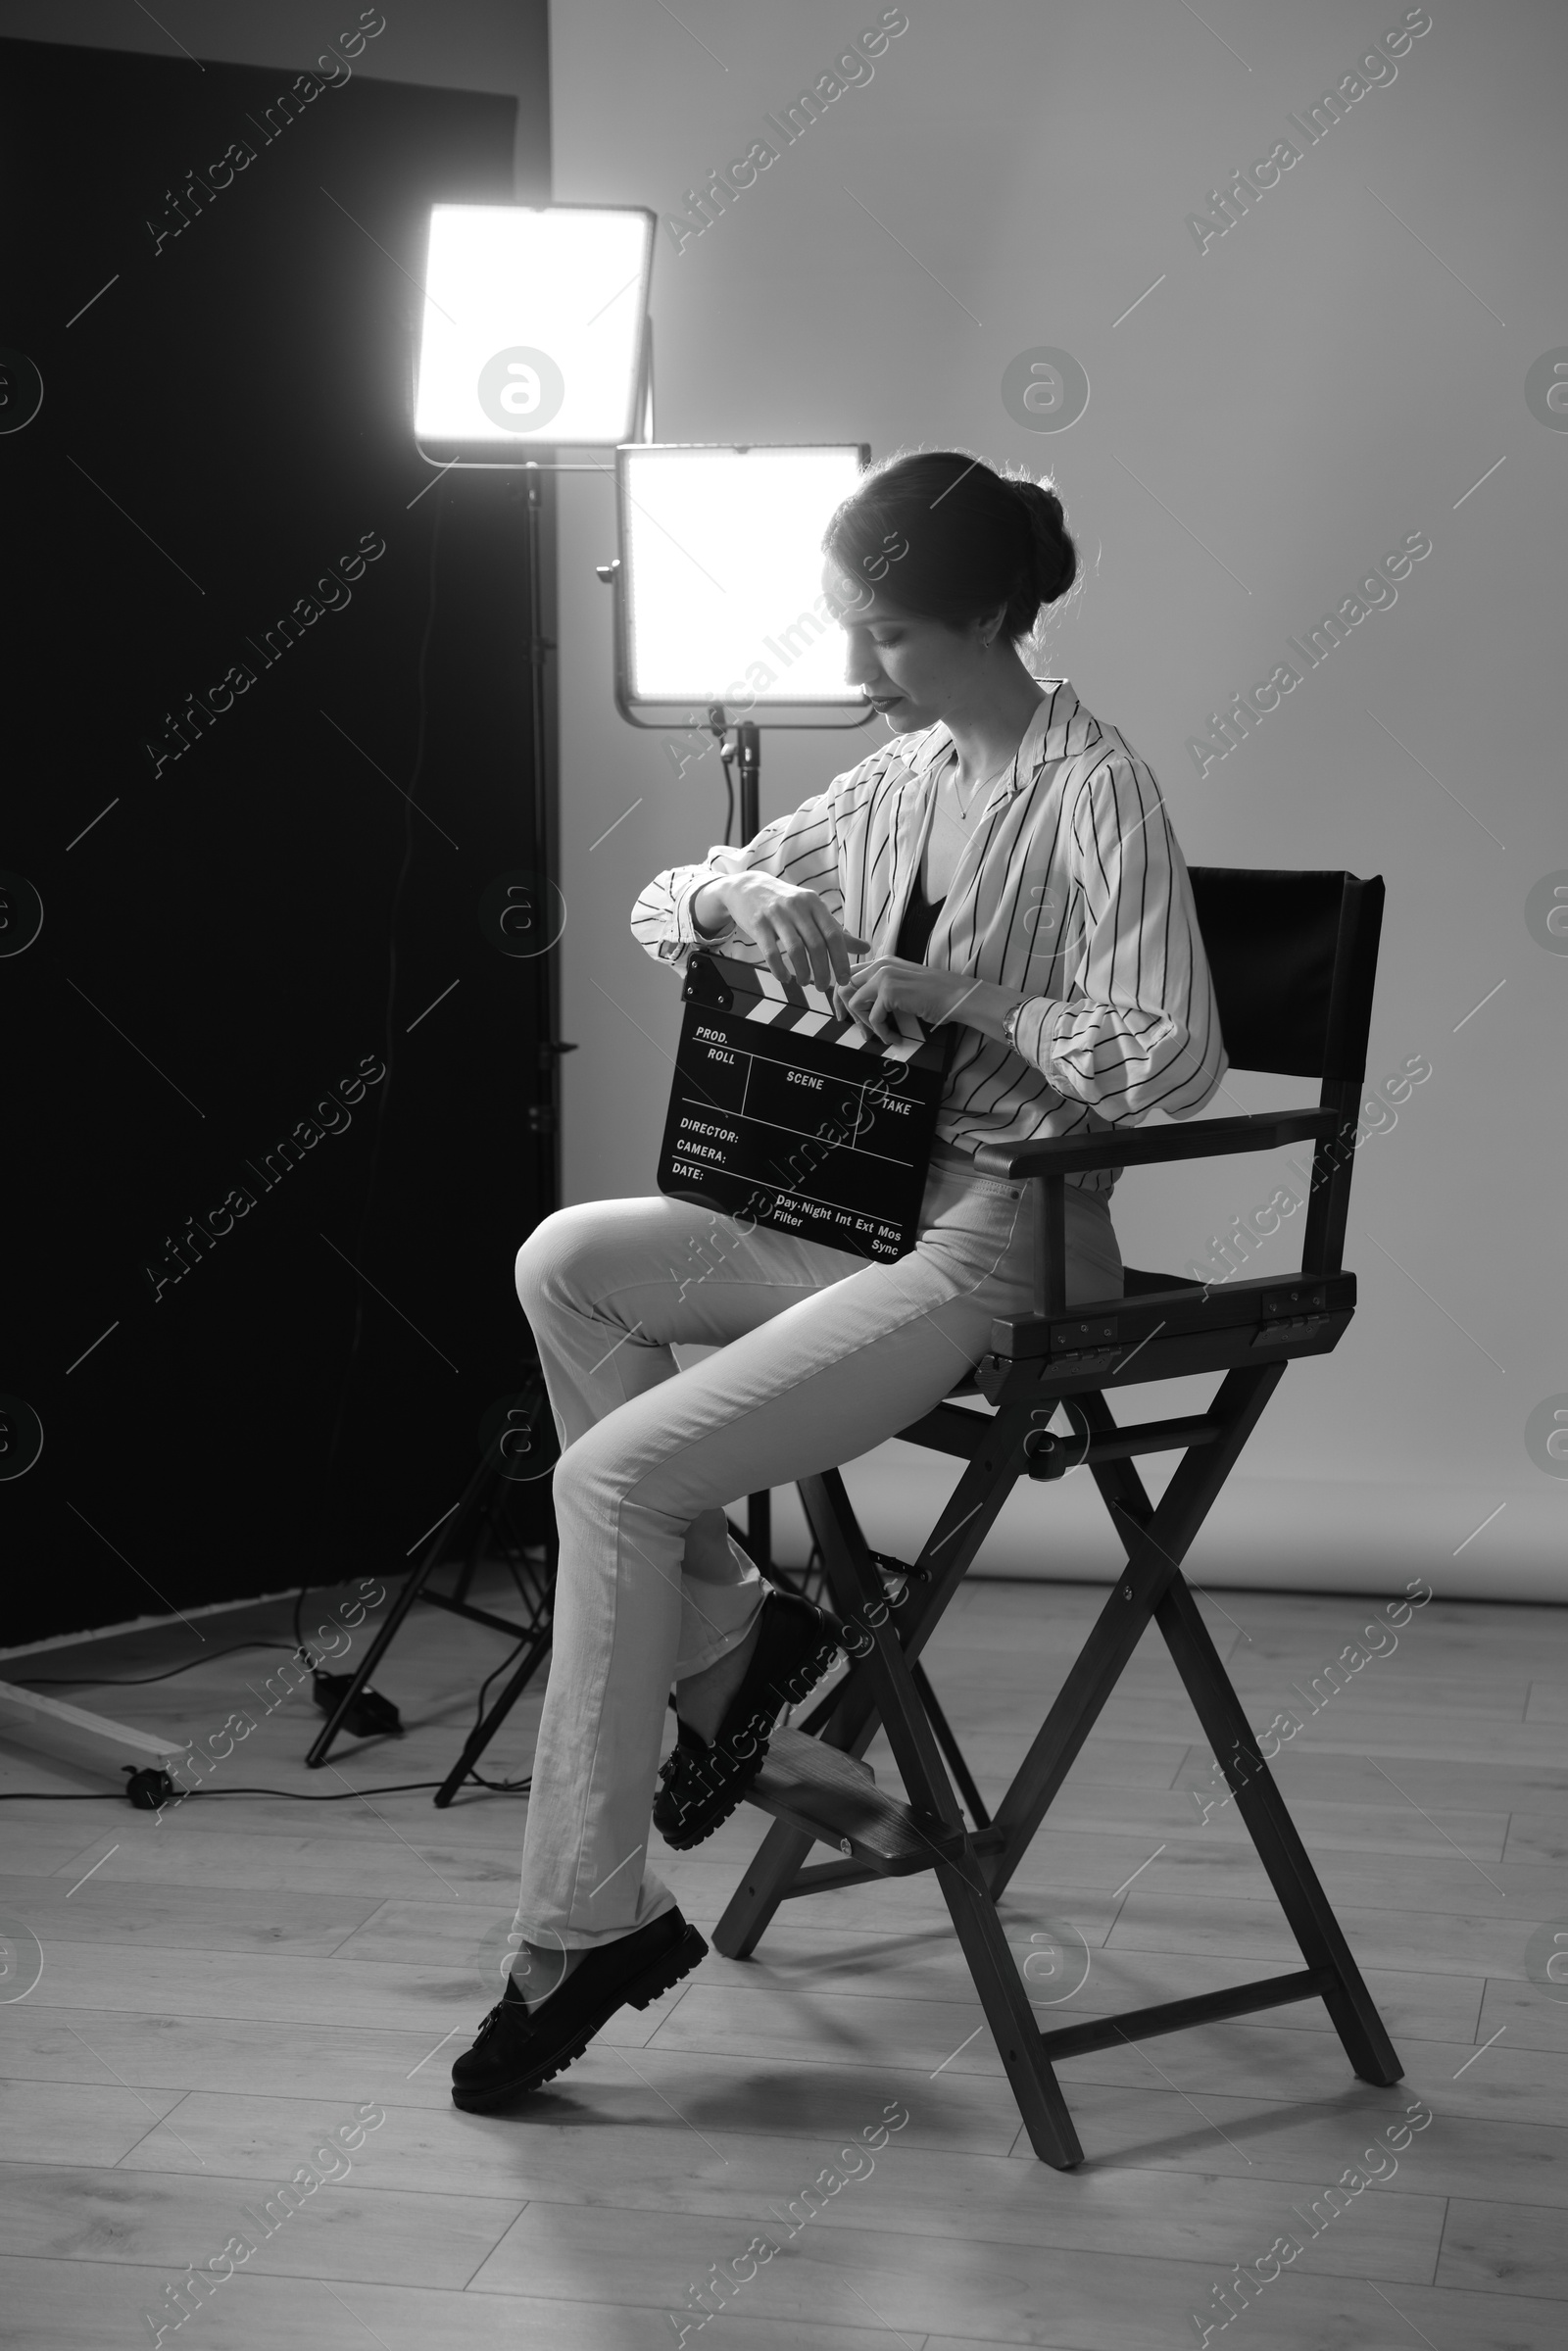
(479, 1525)
(749, 759)
(544, 1112)
(758, 1540)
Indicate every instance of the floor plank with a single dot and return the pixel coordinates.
(166, 2218)
(208, 1917)
(1027, 2295)
(77, 2122)
(1514, 2249)
(228, 2055)
(81, 2306)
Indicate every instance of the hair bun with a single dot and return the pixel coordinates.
(1055, 557)
(970, 540)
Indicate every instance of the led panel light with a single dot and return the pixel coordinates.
(534, 330)
(720, 588)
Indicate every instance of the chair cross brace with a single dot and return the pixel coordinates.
(820, 1791)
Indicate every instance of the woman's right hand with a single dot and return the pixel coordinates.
(798, 938)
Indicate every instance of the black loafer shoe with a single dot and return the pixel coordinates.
(700, 1784)
(516, 2050)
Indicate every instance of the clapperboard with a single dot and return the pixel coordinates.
(786, 1113)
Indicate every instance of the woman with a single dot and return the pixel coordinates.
(1003, 862)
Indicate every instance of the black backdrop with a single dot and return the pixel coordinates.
(236, 937)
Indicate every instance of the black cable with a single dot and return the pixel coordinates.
(509, 1659)
(298, 1796)
(51, 1795)
(136, 1681)
(391, 993)
(503, 1787)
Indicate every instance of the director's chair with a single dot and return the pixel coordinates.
(1294, 958)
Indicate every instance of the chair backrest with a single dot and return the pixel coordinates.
(1293, 959)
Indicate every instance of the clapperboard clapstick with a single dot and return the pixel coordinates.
(784, 1113)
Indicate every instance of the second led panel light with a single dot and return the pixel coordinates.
(720, 584)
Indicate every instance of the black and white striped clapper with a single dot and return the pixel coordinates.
(783, 1113)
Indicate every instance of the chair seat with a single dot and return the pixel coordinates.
(1136, 1283)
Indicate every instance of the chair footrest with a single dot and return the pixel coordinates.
(832, 1797)
(1175, 2016)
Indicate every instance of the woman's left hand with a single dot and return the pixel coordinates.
(885, 984)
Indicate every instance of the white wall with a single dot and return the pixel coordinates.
(1326, 378)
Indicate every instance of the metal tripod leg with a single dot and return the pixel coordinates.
(414, 1585)
(442, 1538)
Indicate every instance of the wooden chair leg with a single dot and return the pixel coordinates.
(1275, 1835)
(749, 1910)
(907, 1728)
(1156, 1540)
(1014, 2028)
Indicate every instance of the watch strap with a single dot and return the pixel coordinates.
(1009, 1027)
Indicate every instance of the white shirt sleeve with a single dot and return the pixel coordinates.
(1140, 1028)
(800, 848)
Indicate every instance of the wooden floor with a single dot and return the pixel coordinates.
(230, 1984)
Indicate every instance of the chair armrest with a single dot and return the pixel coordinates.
(1204, 1138)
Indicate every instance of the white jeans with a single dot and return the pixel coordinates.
(821, 1357)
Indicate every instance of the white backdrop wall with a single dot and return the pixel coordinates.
(1342, 369)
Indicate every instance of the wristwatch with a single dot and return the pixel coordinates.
(1009, 1027)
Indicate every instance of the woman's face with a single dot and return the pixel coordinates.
(914, 671)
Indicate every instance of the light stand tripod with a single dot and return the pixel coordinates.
(479, 1518)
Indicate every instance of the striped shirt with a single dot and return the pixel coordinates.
(1071, 889)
